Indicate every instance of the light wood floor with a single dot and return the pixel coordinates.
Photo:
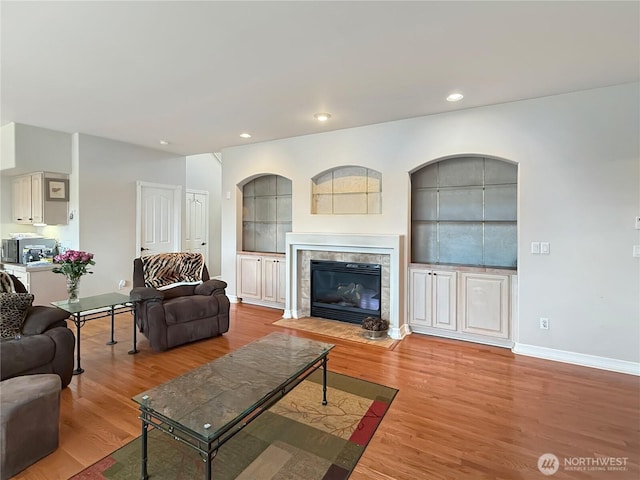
(464, 411)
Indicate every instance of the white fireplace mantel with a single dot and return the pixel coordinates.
(354, 243)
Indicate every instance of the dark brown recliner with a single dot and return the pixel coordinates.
(45, 346)
(180, 314)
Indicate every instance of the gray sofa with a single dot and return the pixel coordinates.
(181, 314)
(45, 346)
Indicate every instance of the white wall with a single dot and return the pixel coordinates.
(26, 149)
(105, 209)
(204, 172)
(579, 189)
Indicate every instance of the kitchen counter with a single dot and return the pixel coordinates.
(39, 280)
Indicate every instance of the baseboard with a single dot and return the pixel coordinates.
(585, 360)
(260, 303)
(233, 298)
(399, 333)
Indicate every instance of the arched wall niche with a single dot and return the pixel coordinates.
(464, 211)
(266, 212)
(347, 189)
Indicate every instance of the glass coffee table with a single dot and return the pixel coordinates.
(207, 406)
(92, 308)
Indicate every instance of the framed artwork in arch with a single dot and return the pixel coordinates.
(56, 189)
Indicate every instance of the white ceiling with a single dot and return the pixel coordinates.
(200, 73)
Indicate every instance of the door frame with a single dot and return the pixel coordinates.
(177, 212)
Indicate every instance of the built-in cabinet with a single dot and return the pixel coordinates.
(45, 285)
(261, 279)
(30, 202)
(433, 299)
(467, 304)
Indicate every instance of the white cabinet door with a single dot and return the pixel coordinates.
(419, 297)
(443, 291)
(22, 199)
(484, 304)
(270, 277)
(249, 273)
(37, 200)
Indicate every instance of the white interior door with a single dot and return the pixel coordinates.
(197, 237)
(158, 218)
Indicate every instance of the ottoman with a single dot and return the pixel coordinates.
(29, 413)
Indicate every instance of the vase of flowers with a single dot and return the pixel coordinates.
(73, 264)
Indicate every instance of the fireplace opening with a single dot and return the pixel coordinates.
(345, 291)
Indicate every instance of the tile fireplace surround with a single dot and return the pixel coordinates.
(381, 249)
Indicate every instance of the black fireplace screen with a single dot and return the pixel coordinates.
(344, 290)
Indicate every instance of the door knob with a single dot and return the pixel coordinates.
(203, 243)
(142, 249)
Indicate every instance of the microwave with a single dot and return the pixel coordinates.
(27, 250)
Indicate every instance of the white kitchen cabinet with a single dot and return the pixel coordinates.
(261, 279)
(45, 285)
(462, 303)
(433, 298)
(484, 304)
(30, 204)
(22, 199)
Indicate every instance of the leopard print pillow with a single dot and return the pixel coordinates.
(13, 311)
(6, 283)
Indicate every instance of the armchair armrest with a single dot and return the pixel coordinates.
(42, 318)
(140, 294)
(211, 287)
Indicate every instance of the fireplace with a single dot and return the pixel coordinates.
(379, 249)
(346, 291)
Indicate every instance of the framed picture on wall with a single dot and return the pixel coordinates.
(56, 189)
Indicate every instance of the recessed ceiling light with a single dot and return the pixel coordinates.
(164, 142)
(245, 135)
(455, 97)
(322, 117)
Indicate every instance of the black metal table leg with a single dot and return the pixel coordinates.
(143, 467)
(112, 342)
(207, 467)
(135, 346)
(324, 380)
(77, 320)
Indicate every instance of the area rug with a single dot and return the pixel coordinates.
(334, 328)
(297, 438)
